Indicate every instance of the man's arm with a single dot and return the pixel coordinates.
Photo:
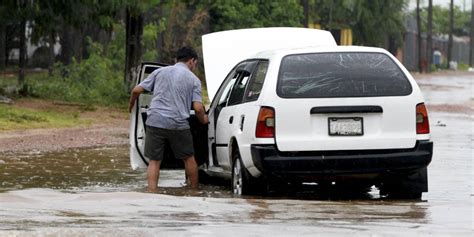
(137, 90)
(200, 112)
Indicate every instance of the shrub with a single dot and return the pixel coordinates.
(95, 80)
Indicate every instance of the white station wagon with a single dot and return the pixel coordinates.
(290, 106)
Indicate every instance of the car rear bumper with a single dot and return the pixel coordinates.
(269, 160)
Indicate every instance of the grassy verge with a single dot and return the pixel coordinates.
(17, 118)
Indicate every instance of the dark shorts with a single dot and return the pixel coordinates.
(181, 143)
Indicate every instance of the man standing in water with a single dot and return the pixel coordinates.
(175, 89)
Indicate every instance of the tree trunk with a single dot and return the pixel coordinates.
(418, 36)
(3, 46)
(429, 39)
(22, 59)
(160, 38)
(52, 41)
(134, 30)
(471, 53)
(451, 26)
(305, 5)
(66, 44)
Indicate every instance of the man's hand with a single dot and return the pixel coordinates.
(133, 97)
(200, 112)
(130, 106)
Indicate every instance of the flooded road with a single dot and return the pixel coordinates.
(88, 192)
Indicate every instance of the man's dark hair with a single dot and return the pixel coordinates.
(186, 53)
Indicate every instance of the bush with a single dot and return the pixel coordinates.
(95, 80)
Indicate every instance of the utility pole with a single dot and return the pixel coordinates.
(451, 26)
(418, 36)
(471, 51)
(429, 39)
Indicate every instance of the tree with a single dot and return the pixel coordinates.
(134, 23)
(46, 20)
(378, 20)
(227, 15)
(160, 21)
(336, 14)
(373, 23)
(134, 30)
(441, 20)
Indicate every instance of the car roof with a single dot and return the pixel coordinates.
(268, 54)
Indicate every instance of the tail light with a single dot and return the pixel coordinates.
(265, 123)
(422, 124)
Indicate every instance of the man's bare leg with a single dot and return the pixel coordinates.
(191, 171)
(153, 175)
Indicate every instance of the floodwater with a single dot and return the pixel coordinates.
(94, 192)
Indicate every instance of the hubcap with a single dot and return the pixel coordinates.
(237, 178)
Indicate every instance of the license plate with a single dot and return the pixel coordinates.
(346, 126)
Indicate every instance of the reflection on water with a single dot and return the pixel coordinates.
(107, 169)
(104, 169)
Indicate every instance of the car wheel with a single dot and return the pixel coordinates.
(237, 178)
(242, 182)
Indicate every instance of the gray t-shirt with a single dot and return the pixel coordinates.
(174, 89)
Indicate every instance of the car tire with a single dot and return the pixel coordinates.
(242, 181)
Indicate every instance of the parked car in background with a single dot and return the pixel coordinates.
(290, 106)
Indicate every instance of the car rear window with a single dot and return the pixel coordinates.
(341, 74)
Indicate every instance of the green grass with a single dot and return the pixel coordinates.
(13, 118)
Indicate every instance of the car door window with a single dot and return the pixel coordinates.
(256, 82)
(220, 101)
(245, 73)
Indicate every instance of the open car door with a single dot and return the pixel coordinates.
(137, 131)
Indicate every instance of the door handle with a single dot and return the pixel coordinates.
(231, 119)
(242, 119)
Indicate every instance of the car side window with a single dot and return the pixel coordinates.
(226, 91)
(256, 82)
(222, 96)
(245, 73)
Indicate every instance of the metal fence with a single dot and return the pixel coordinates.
(460, 50)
